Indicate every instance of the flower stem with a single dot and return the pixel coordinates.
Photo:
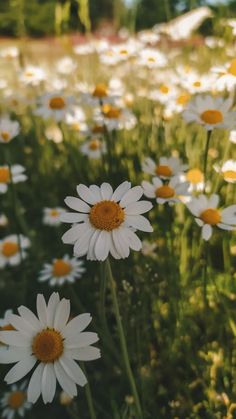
(123, 344)
(206, 157)
(89, 399)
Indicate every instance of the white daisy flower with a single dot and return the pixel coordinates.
(54, 105)
(226, 75)
(210, 112)
(32, 75)
(195, 177)
(66, 65)
(151, 58)
(50, 342)
(165, 168)
(16, 175)
(228, 171)
(62, 270)
(164, 192)
(163, 94)
(108, 224)
(8, 130)
(232, 136)
(99, 94)
(93, 148)
(14, 402)
(208, 215)
(9, 52)
(51, 216)
(77, 120)
(115, 117)
(12, 250)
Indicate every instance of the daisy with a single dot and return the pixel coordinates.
(77, 120)
(14, 402)
(98, 94)
(93, 148)
(52, 343)
(151, 58)
(208, 215)
(115, 117)
(226, 75)
(106, 220)
(165, 168)
(62, 270)
(51, 216)
(232, 136)
(12, 250)
(66, 65)
(195, 177)
(164, 192)
(32, 75)
(228, 171)
(210, 112)
(8, 130)
(16, 175)
(54, 105)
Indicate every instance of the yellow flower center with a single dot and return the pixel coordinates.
(94, 145)
(163, 170)
(76, 126)
(98, 129)
(4, 175)
(111, 112)
(100, 90)
(54, 213)
(29, 74)
(211, 216)
(61, 268)
(5, 136)
(212, 116)
(165, 192)
(232, 68)
(183, 99)
(194, 176)
(197, 84)
(16, 399)
(57, 103)
(10, 249)
(151, 59)
(48, 345)
(123, 52)
(229, 174)
(106, 215)
(164, 89)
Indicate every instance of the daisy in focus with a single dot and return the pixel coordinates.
(93, 148)
(52, 343)
(8, 130)
(14, 402)
(210, 112)
(54, 105)
(170, 192)
(207, 215)
(13, 249)
(165, 168)
(51, 216)
(105, 220)
(16, 175)
(62, 270)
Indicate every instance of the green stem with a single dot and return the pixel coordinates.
(206, 157)
(123, 344)
(89, 399)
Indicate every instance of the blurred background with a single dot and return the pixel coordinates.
(38, 18)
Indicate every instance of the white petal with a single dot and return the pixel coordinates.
(213, 201)
(138, 222)
(74, 233)
(66, 383)
(81, 340)
(42, 310)
(206, 231)
(72, 217)
(51, 308)
(35, 384)
(102, 245)
(62, 314)
(77, 204)
(121, 242)
(120, 191)
(85, 354)
(199, 222)
(30, 317)
(106, 191)
(138, 207)
(90, 252)
(77, 324)
(85, 193)
(134, 241)
(20, 324)
(48, 383)
(133, 195)
(15, 338)
(82, 244)
(73, 370)
(96, 192)
(20, 369)
(225, 227)
(11, 355)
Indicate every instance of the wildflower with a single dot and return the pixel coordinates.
(32, 75)
(107, 225)
(16, 175)
(54, 105)
(8, 130)
(151, 58)
(210, 112)
(166, 192)
(52, 343)
(207, 215)
(195, 177)
(12, 249)
(232, 136)
(51, 216)
(62, 270)
(93, 148)
(165, 168)
(14, 402)
(226, 75)
(228, 171)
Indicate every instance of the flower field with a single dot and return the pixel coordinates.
(118, 229)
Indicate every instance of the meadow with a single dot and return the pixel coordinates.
(117, 198)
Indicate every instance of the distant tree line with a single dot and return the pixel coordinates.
(46, 17)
